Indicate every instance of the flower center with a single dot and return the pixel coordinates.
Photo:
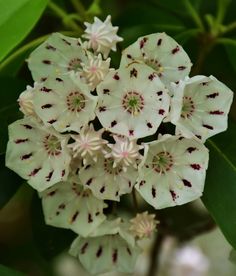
(52, 145)
(75, 101)
(162, 162)
(108, 167)
(188, 107)
(74, 64)
(133, 102)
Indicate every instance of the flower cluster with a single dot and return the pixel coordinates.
(82, 145)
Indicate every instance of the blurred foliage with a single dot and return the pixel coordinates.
(207, 31)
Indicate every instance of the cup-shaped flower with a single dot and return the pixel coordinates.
(37, 154)
(64, 103)
(109, 249)
(102, 36)
(59, 54)
(200, 107)
(173, 172)
(107, 181)
(132, 101)
(69, 205)
(162, 53)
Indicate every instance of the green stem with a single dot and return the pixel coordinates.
(25, 48)
(69, 22)
(193, 13)
(79, 7)
(226, 41)
(222, 8)
(229, 28)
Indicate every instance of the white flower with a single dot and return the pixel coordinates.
(88, 144)
(37, 154)
(173, 172)
(200, 107)
(110, 248)
(69, 205)
(58, 55)
(102, 36)
(132, 101)
(64, 103)
(162, 53)
(143, 225)
(124, 152)
(26, 101)
(105, 181)
(95, 69)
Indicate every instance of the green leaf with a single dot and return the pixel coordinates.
(17, 18)
(230, 47)
(6, 271)
(220, 190)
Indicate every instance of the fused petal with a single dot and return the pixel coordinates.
(132, 101)
(37, 154)
(162, 53)
(69, 205)
(200, 107)
(65, 103)
(173, 172)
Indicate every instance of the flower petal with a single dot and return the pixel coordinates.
(174, 171)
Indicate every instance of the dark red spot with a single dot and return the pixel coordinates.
(175, 50)
(46, 61)
(141, 183)
(114, 256)
(129, 56)
(128, 250)
(149, 125)
(87, 167)
(63, 173)
(181, 68)
(52, 193)
(99, 252)
(46, 106)
(52, 121)
(59, 80)
(49, 176)
(67, 42)
(129, 183)
(131, 132)
(26, 156)
(161, 111)
(113, 123)
(90, 220)
(83, 248)
(102, 108)
(191, 149)
(45, 89)
(159, 41)
(205, 83)
(133, 73)
(216, 112)
(43, 79)
(102, 189)
(116, 77)
(106, 91)
(173, 194)
(180, 138)
(195, 166)
(187, 183)
(213, 95)
(208, 126)
(35, 171)
(97, 213)
(89, 181)
(153, 192)
(27, 126)
(50, 47)
(159, 93)
(62, 206)
(18, 141)
(75, 216)
(151, 76)
(198, 136)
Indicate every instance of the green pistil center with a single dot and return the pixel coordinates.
(188, 107)
(162, 162)
(52, 145)
(75, 101)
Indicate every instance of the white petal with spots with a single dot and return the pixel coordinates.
(200, 107)
(132, 101)
(105, 181)
(58, 55)
(37, 154)
(65, 103)
(68, 205)
(162, 53)
(173, 172)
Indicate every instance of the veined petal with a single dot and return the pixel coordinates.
(65, 103)
(59, 54)
(162, 53)
(200, 107)
(37, 154)
(132, 101)
(69, 205)
(173, 172)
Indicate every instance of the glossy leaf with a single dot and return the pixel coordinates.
(6, 271)
(17, 18)
(220, 190)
